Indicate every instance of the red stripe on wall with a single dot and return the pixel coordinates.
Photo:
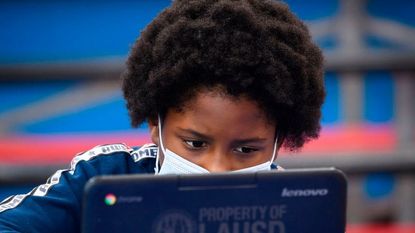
(354, 138)
(49, 149)
(381, 228)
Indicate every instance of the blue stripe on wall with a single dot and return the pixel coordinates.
(327, 43)
(34, 31)
(377, 42)
(110, 115)
(24, 93)
(41, 31)
(379, 97)
(398, 10)
(307, 10)
(331, 107)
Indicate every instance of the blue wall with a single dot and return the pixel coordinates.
(49, 31)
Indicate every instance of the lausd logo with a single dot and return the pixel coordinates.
(304, 192)
(174, 222)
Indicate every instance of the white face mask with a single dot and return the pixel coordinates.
(175, 164)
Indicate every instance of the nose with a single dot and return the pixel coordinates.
(218, 161)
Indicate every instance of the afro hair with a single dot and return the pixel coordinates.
(253, 48)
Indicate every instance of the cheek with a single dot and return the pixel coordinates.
(252, 160)
(175, 144)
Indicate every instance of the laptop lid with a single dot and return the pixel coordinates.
(297, 201)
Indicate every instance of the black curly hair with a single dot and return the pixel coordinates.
(253, 48)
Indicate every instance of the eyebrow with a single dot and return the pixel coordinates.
(250, 140)
(195, 133)
(238, 141)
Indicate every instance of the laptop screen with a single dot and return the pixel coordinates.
(306, 200)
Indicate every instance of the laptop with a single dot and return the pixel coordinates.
(289, 201)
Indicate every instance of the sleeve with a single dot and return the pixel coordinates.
(56, 205)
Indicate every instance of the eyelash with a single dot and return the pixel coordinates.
(251, 150)
(189, 145)
(192, 147)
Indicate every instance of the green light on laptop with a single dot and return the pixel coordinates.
(110, 199)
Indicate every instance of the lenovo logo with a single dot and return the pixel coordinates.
(303, 192)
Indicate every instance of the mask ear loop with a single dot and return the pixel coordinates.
(274, 151)
(157, 168)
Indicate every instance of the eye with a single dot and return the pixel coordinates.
(245, 149)
(195, 144)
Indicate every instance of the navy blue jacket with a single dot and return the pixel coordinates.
(55, 206)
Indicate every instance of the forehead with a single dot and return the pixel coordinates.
(214, 107)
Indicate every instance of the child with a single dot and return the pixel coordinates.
(223, 85)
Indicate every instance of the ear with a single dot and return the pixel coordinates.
(154, 131)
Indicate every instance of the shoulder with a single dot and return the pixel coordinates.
(146, 151)
(107, 159)
(137, 153)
